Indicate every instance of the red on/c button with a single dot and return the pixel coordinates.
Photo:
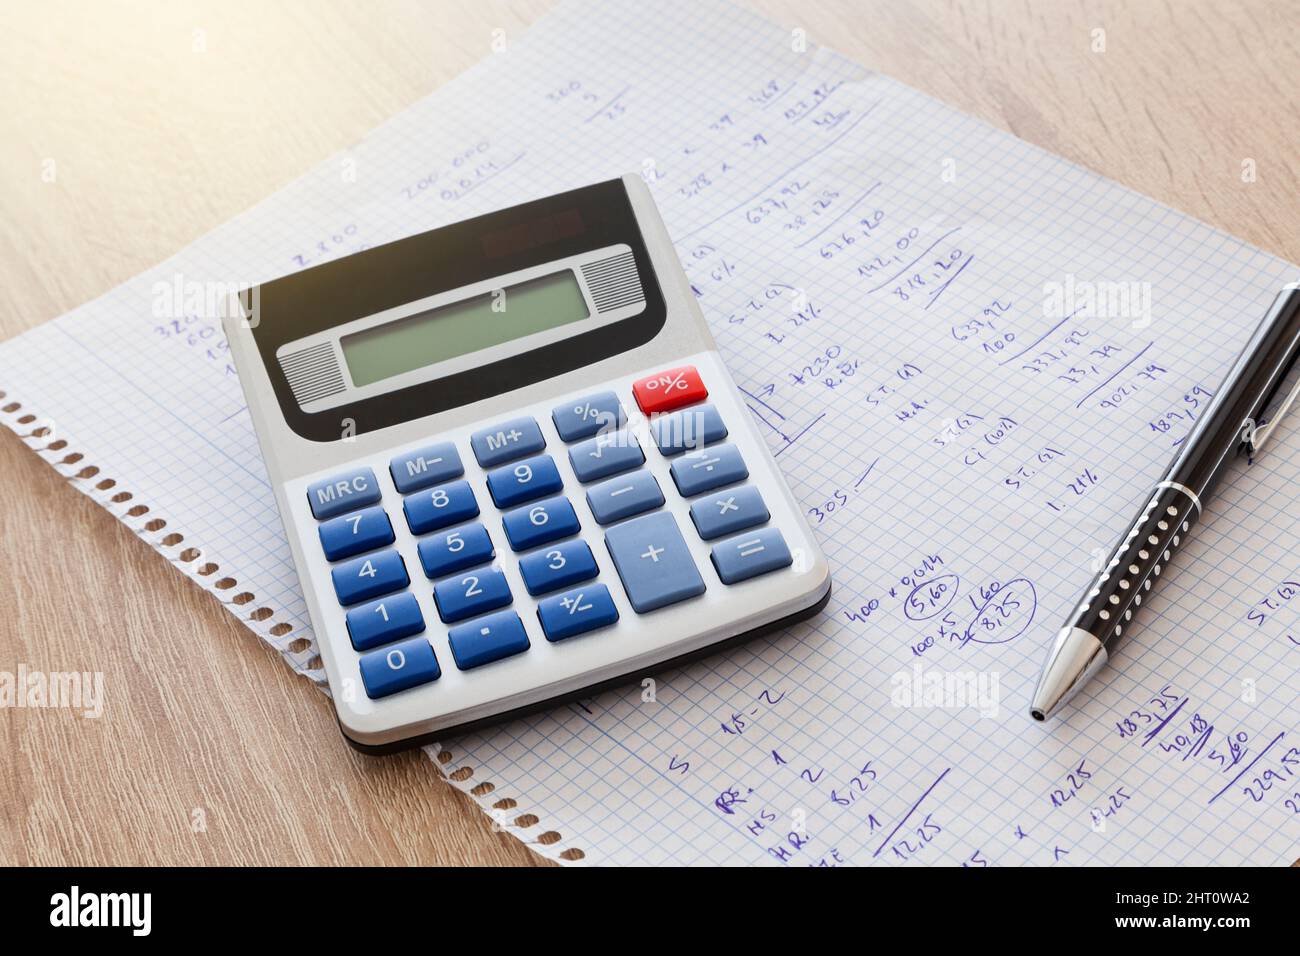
(664, 391)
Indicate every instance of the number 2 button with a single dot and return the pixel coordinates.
(465, 595)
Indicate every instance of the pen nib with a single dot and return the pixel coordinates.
(1075, 657)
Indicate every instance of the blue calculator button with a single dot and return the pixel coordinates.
(653, 561)
(369, 576)
(425, 467)
(701, 471)
(438, 507)
(749, 555)
(576, 612)
(728, 511)
(624, 496)
(692, 428)
(487, 639)
(473, 592)
(606, 454)
(384, 621)
(347, 535)
(454, 550)
(534, 525)
(558, 567)
(507, 441)
(583, 417)
(345, 492)
(524, 481)
(398, 668)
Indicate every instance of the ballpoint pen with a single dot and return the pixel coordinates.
(1255, 395)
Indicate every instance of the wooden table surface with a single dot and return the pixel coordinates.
(163, 120)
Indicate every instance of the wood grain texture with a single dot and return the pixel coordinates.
(155, 143)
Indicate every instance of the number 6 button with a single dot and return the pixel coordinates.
(546, 521)
(471, 593)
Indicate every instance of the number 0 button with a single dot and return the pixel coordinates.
(400, 667)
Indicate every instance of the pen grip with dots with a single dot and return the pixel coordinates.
(1115, 596)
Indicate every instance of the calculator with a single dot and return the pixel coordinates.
(512, 467)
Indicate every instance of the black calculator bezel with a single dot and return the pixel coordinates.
(452, 256)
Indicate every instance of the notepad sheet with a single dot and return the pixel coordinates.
(970, 358)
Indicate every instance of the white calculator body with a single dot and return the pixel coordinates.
(512, 468)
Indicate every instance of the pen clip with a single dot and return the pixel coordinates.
(1255, 432)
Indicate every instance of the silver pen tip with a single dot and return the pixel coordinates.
(1074, 658)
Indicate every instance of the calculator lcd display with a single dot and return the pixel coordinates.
(460, 328)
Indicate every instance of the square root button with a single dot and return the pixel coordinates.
(653, 562)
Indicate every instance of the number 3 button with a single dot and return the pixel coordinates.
(557, 567)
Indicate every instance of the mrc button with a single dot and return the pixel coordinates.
(673, 388)
(343, 492)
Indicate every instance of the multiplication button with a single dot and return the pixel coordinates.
(653, 562)
(728, 511)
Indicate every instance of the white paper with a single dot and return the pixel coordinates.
(971, 358)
